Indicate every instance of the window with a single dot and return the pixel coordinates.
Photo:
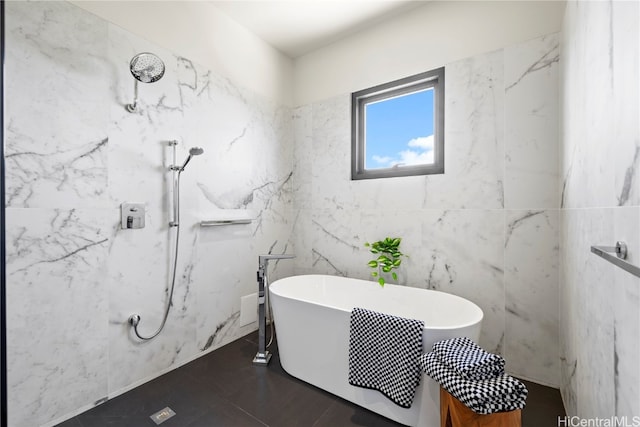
(397, 129)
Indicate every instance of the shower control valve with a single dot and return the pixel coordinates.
(132, 215)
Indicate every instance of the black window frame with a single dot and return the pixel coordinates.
(430, 79)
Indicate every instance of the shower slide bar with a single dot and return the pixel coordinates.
(620, 249)
(219, 222)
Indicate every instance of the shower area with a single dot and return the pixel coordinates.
(88, 128)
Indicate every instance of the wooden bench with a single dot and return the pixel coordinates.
(454, 413)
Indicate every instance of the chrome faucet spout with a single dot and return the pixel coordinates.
(264, 259)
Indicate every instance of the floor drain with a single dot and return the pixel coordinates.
(162, 415)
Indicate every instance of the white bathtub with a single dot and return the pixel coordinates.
(311, 315)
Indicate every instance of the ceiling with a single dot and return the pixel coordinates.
(297, 27)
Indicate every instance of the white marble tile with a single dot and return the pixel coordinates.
(601, 132)
(259, 159)
(56, 120)
(142, 287)
(462, 253)
(568, 315)
(626, 316)
(303, 156)
(600, 314)
(595, 334)
(624, 45)
(531, 284)
(600, 159)
(302, 241)
(222, 281)
(339, 238)
(531, 124)
(474, 137)
(57, 315)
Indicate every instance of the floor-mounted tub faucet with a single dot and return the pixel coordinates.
(263, 356)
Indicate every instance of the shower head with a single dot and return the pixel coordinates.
(193, 151)
(146, 68)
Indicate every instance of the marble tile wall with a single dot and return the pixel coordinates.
(600, 163)
(486, 229)
(73, 155)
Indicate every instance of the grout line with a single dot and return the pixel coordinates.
(323, 413)
(249, 414)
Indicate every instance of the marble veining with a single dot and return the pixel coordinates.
(629, 178)
(531, 295)
(55, 260)
(547, 60)
(531, 124)
(517, 222)
(320, 258)
(221, 330)
(72, 170)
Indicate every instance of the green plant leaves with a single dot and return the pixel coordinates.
(389, 257)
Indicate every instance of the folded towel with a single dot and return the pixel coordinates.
(384, 354)
(498, 394)
(469, 360)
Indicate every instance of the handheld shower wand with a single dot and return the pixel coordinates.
(194, 151)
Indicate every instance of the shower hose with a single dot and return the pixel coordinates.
(134, 320)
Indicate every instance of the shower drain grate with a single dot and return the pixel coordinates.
(162, 415)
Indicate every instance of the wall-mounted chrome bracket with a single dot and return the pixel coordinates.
(620, 249)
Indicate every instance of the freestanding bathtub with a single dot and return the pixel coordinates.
(312, 313)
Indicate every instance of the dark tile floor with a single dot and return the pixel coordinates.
(224, 389)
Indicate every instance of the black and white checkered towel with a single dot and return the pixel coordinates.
(468, 359)
(499, 394)
(384, 354)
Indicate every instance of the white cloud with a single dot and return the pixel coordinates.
(420, 154)
(424, 142)
(410, 157)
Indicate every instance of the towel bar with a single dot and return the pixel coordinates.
(219, 222)
(620, 249)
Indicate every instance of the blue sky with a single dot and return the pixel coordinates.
(400, 131)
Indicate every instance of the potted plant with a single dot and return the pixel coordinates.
(388, 258)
